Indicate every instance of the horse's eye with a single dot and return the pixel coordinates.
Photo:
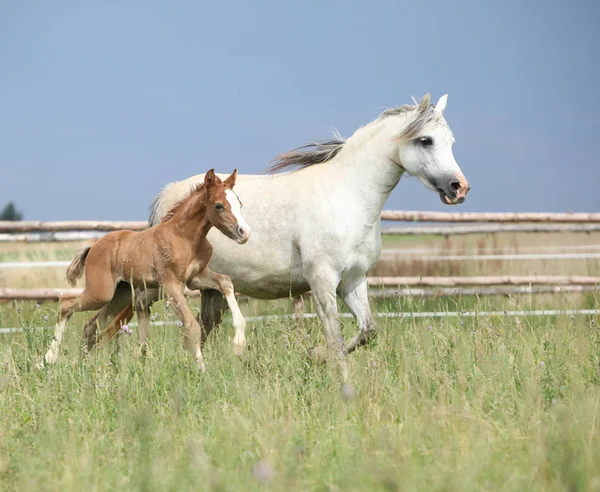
(219, 207)
(426, 141)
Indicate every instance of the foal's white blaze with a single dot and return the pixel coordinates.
(236, 210)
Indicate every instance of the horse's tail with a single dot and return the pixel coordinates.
(77, 266)
(120, 319)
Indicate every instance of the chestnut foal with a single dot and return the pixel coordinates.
(169, 255)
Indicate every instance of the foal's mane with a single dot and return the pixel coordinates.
(196, 190)
(321, 152)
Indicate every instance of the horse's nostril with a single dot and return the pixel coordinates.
(455, 185)
(240, 231)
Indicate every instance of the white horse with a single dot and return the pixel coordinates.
(317, 228)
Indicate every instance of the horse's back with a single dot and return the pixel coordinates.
(296, 218)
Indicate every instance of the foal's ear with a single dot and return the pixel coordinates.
(230, 181)
(210, 179)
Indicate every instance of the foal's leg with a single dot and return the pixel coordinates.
(211, 280)
(88, 300)
(193, 332)
(357, 300)
(65, 313)
(106, 315)
(143, 301)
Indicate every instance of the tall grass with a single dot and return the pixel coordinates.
(492, 403)
(441, 404)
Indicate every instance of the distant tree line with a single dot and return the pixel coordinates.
(10, 212)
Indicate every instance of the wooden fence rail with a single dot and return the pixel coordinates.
(394, 215)
(552, 283)
(487, 229)
(66, 236)
(487, 280)
(502, 217)
(70, 225)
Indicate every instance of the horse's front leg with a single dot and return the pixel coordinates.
(357, 300)
(323, 284)
(207, 279)
(193, 332)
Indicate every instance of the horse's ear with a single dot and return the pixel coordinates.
(210, 178)
(442, 103)
(230, 181)
(424, 104)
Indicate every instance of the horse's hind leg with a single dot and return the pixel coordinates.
(212, 308)
(212, 280)
(65, 311)
(108, 314)
(87, 301)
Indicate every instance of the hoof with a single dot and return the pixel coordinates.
(50, 357)
(201, 366)
(239, 349)
(318, 354)
(347, 392)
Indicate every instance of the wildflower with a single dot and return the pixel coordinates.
(541, 364)
(37, 306)
(430, 328)
(179, 324)
(152, 318)
(572, 316)
(126, 330)
(45, 318)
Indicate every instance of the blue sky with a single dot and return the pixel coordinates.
(102, 103)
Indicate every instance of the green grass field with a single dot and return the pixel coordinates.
(441, 404)
(490, 403)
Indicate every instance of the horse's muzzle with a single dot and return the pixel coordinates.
(242, 235)
(455, 190)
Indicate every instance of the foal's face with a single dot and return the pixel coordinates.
(224, 207)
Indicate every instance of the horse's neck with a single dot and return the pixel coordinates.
(364, 174)
(192, 220)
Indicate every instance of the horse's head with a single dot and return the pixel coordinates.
(224, 207)
(424, 149)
